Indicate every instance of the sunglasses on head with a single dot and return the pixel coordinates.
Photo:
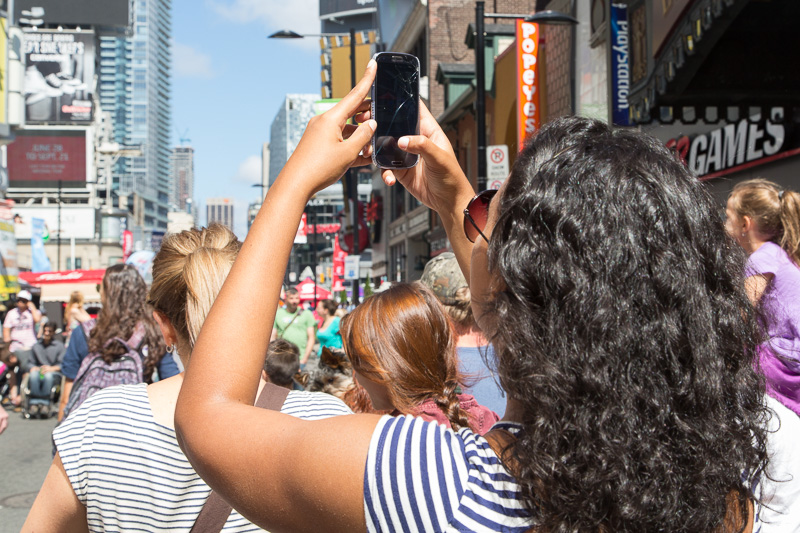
(476, 214)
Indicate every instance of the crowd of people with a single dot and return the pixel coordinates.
(598, 353)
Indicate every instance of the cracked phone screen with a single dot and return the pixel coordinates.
(396, 111)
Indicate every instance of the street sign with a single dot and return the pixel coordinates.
(351, 266)
(496, 165)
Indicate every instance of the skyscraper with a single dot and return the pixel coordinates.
(134, 85)
(220, 210)
(287, 128)
(182, 172)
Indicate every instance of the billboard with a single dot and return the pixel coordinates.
(43, 158)
(59, 77)
(76, 221)
(85, 12)
(528, 113)
(620, 65)
(8, 252)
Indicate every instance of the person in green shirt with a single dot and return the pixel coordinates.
(295, 325)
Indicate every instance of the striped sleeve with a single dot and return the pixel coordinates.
(314, 405)
(415, 476)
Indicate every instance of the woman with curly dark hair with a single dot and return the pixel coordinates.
(124, 315)
(603, 276)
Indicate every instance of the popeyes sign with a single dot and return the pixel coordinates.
(527, 81)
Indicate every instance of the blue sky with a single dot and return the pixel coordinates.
(228, 83)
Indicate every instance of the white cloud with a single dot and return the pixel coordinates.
(249, 170)
(301, 16)
(191, 63)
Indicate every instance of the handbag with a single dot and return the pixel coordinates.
(215, 511)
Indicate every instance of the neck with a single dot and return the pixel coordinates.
(469, 336)
(514, 411)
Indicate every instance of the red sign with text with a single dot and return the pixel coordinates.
(39, 159)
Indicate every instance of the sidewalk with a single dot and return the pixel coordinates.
(25, 457)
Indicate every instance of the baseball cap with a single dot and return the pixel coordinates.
(443, 276)
(25, 295)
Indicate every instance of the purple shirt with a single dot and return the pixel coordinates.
(781, 305)
(23, 336)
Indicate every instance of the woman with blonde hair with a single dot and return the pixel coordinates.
(118, 464)
(764, 219)
(74, 315)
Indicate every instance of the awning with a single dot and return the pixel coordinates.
(39, 279)
(306, 290)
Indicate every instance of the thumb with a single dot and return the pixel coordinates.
(362, 135)
(419, 144)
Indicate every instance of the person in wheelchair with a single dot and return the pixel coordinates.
(44, 379)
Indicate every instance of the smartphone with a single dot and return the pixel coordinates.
(395, 107)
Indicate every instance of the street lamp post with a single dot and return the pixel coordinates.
(543, 17)
(350, 181)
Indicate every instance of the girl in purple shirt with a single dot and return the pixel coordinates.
(765, 220)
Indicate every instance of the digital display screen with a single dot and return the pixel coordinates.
(396, 110)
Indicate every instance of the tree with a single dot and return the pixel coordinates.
(368, 288)
(343, 297)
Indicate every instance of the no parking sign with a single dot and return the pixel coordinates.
(496, 165)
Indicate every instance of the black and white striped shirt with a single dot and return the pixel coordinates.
(129, 471)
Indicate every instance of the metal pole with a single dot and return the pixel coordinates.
(313, 228)
(480, 94)
(351, 174)
(58, 237)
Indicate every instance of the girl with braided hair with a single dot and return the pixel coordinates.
(403, 351)
(765, 220)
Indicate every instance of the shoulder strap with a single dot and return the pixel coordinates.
(215, 511)
(296, 314)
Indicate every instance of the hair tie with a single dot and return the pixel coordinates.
(780, 195)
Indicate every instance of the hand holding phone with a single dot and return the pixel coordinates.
(395, 108)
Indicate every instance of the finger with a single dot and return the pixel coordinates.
(362, 134)
(362, 161)
(363, 117)
(420, 144)
(349, 105)
(388, 177)
(348, 130)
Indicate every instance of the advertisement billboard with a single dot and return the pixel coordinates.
(59, 77)
(528, 113)
(8, 252)
(620, 65)
(42, 158)
(85, 12)
(76, 221)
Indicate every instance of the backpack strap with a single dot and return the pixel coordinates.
(215, 511)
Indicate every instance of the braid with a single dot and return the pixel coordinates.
(451, 407)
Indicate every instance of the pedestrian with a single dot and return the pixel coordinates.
(45, 370)
(282, 365)
(125, 316)
(74, 314)
(764, 219)
(475, 355)
(119, 466)
(19, 333)
(623, 334)
(328, 333)
(403, 351)
(296, 325)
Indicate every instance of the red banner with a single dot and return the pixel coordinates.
(64, 276)
(528, 116)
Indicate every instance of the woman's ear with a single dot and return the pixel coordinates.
(747, 223)
(167, 329)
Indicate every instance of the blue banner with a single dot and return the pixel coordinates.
(620, 65)
(38, 256)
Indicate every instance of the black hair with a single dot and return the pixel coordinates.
(622, 327)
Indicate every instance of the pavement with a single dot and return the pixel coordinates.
(25, 457)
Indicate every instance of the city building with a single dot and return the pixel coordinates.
(220, 210)
(182, 172)
(337, 17)
(287, 128)
(134, 84)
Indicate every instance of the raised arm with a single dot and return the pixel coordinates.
(258, 472)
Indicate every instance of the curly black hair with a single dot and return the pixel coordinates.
(622, 327)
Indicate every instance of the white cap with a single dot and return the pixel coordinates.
(25, 295)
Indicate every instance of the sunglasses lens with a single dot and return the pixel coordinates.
(478, 211)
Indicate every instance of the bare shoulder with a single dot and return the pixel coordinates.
(162, 396)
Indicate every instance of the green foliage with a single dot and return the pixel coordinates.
(368, 288)
(343, 297)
